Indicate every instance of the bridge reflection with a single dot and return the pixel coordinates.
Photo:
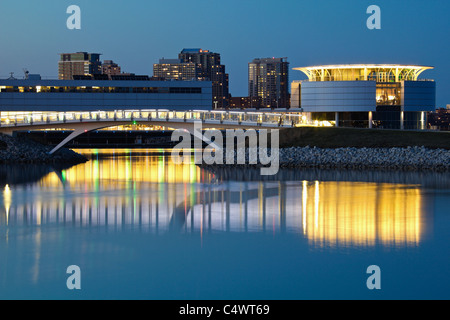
(149, 192)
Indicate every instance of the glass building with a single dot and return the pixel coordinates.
(106, 95)
(383, 96)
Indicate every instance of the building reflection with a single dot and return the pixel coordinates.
(149, 191)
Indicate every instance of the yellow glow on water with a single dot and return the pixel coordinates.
(304, 204)
(161, 170)
(153, 168)
(362, 214)
(7, 201)
(148, 187)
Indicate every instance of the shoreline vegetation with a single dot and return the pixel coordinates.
(16, 150)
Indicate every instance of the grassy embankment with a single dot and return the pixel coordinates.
(359, 138)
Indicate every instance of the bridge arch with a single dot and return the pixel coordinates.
(87, 127)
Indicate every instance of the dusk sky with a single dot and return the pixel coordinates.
(137, 33)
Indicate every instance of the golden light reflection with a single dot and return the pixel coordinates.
(147, 189)
(7, 201)
(362, 214)
(149, 167)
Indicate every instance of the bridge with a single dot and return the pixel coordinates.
(82, 122)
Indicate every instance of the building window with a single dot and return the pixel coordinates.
(388, 94)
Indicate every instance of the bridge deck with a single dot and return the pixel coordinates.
(217, 118)
(82, 122)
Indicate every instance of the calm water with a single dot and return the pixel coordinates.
(141, 227)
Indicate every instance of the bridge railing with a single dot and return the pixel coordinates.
(225, 117)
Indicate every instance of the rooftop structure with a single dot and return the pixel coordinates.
(364, 72)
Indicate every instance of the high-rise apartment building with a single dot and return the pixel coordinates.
(78, 64)
(211, 69)
(203, 58)
(197, 64)
(268, 79)
(175, 69)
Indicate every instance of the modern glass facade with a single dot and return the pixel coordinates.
(388, 94)
(372, 72)
(96, 89)
(384, 96)
(80, 95)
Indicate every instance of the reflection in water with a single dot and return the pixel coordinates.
(360, 214)
(145, 189)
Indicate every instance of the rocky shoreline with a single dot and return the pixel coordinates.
(14, 150)
(405, 159)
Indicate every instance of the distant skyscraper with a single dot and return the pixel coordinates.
(205, 59)
(175, 69)
(80, 64)
(110, 68)
(211, 69)
(197, 64)
(269, 79)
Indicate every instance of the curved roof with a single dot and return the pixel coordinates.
(378, 72)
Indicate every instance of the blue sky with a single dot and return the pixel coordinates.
(136, 33)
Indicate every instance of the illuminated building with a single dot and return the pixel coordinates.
(129, 93)
(197, 64)
(110, 68)
(268, 79)
(78, 64)
(211, 69)
(384, 96)
(175, 69)
(245, 102)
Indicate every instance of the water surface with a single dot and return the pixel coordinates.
(141, 227)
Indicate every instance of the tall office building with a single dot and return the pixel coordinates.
(78, 64)
(197, 64)
(269, 79)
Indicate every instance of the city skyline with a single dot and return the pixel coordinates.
(308, 34)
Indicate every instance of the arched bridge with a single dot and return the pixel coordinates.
(82, 122)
